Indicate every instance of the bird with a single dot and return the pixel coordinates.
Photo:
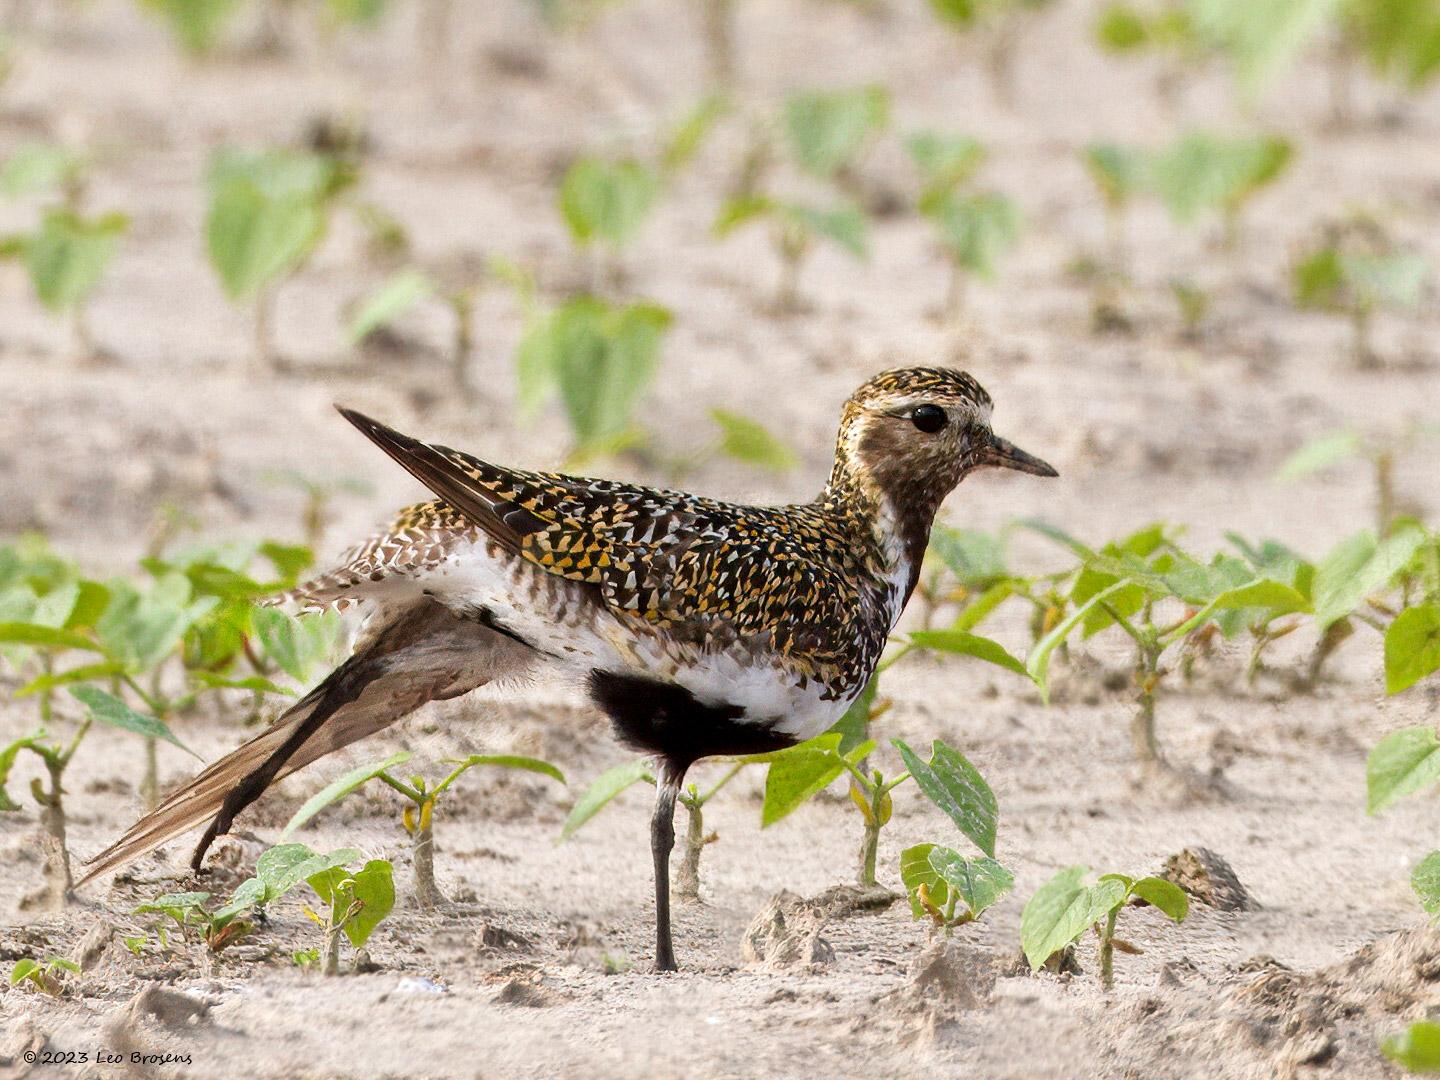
(700, 628)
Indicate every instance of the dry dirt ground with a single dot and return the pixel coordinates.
(465, 151)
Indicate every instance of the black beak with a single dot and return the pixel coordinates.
(1007, 455)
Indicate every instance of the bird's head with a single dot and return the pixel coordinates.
(911, 434)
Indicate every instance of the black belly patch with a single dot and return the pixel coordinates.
(661, 718)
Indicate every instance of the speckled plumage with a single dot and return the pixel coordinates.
(809, 590)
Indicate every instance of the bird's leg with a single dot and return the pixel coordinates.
(662, 839)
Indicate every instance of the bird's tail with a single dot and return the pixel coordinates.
(424, 654)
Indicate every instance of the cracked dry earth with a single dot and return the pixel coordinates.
(538, 966)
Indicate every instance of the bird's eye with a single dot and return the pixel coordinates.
(929, 418)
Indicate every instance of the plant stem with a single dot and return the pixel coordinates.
(422, 855)
(787, 296)
(150, 781)
(1107, 949)
(687, 878)
(955, 291)
(52, 820)
(719, 29)
(263, 329)
(1142, 725)
(330, 961)
(870, 841)
(1384, 493)
(463, 305)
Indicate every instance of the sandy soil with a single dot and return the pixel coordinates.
(466, 151)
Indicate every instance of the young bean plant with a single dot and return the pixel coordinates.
(1065, 907)
(417, 817)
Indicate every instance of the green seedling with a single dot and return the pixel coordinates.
(1167, 31)
(316, 513)
(1356, 271)
(1400, 40)
(1201, 173)
(1380, 452)
(945, 163)
(56, 757)
(1118, 173)
(948, 888)
(67, 253)
(457, 288)
(269, 210)
(600, 359)
(1416, 1049)
(417, 817)
(198, 25)
(1273, 561)
(609, 784)
(1260, 41)
(1157, 594)
(605, 203)
(354, 904)
(1064, 907)
(45, 977)
(1002, 24)
(974, 232)
(828, 131)
(740, 439)
(795, 229)
(1351, 584)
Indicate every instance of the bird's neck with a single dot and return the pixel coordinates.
(890, 521)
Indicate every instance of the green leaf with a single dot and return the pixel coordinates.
(854, 726)
(826, 130)
(959, 641)
(1412, 647)
(1425, 880)
(686, 138)
(38, 167)
(250, 893)
(607, 201)
(1395, 280)
(374, 887)
(1417, 1048)
(745, 440)
(338, 788)
(1165, 895)
(294, 643)
(284, 866)
(1359, 567)
(108, 709)
(606, 786)
(267, 214)
(27, 968)
(916, 870)
(960, 14)
(1200, 172)
(197, 24)
(945, 161)
(85, 673)
(1319, 454)
(68, 256)
(1401, 764)
(1272, 596)
(141, 629)
(253, 683)
(956, 787)
(797, 774)
(845, 225)
(977, 559)
(1062, 909)
(979, 880)
(389, 302)
(1261, 37)
(1038, 662)
(1120, 28)
(504, 761)
(1317, 280)
(183, 908)
(1117, 171)
(45, 637)
(976, 230)
(740, 211)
